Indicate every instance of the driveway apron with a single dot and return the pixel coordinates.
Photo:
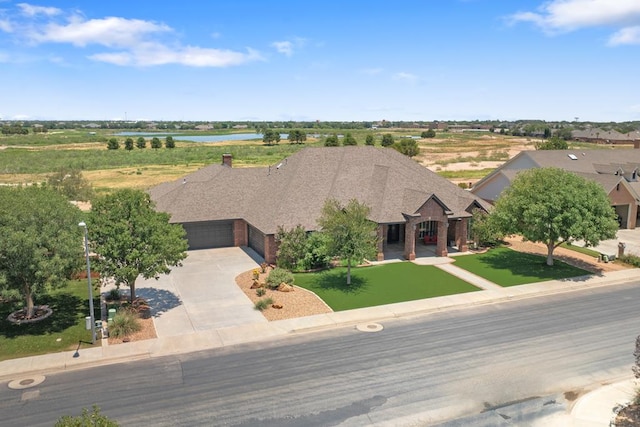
(202, 294)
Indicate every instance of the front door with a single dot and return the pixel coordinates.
(393, 233)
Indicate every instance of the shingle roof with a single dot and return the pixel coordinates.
(390, 183)
(600, 166)
(588, 161)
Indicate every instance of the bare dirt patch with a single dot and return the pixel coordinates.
(297, 303)
(577, 259)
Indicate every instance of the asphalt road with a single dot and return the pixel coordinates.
(417, 371)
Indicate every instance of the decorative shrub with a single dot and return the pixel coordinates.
(124, 323)
(256, 274)
(261, 291)
(263, 267)
(316, 254)
(279, 275)
(631, 260)
(263, 303)
(114, 295)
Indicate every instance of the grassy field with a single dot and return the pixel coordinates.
(64, 330)
(29, 158)
(381, 284)
(507, 267)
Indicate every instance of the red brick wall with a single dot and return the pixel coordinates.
(240, 234)
(270, 248)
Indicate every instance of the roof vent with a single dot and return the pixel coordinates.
(572, 156)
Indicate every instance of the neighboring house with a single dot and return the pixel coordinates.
(601, 136)
(616, 170)
(224, 206)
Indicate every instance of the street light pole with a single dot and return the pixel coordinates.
(86, 253)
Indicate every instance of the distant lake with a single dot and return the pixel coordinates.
(200, 138)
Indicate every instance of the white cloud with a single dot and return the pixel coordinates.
(558, 16)
(128, 42)
(284, 47)
(629, 35)
(288, 47)
(6, 26)
(148, 55)
(31, 10)
(110, 32)
(568, 15)
(407, 77)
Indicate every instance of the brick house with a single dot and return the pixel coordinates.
(616, 170)
(224, 206)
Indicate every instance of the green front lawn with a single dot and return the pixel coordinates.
(70, 306)
(507, 267)
(381, 284)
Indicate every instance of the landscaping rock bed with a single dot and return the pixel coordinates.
(296, 303)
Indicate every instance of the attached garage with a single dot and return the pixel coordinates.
(256, 240)
(209, 234)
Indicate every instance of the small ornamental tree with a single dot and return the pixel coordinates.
(484, 232)
(132, 239)
(369, 140)
(71, 184)
(128, 144)
(387, 140)
(553, 143)
(428, 134)
(553, 206)
(169, 142)
(155, 143)
(349, 233)
(349, 140)
(331, 141)
(141, 142)
(408, 147)
(113, 144)
(291, 246)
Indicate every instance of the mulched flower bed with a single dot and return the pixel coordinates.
(40, 312)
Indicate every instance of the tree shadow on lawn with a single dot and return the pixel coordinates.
(66, 308)
(159, 300)
(337, 281)
(529, 265)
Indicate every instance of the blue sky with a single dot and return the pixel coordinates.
(337, 60)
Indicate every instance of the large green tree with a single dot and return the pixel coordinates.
(553, 206)
(297, 136)
(131, 238)
(40, 243)
(349, 233)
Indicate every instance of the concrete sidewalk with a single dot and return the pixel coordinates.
(222, 336)
(597, 408)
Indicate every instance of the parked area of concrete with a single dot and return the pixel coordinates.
(199, 306)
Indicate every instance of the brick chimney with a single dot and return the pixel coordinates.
(227, 159)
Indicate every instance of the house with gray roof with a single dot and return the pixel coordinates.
(602, 136)
(616, 170)
(220, 205)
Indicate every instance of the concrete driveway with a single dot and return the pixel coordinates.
(631, 238)
(202, 294)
